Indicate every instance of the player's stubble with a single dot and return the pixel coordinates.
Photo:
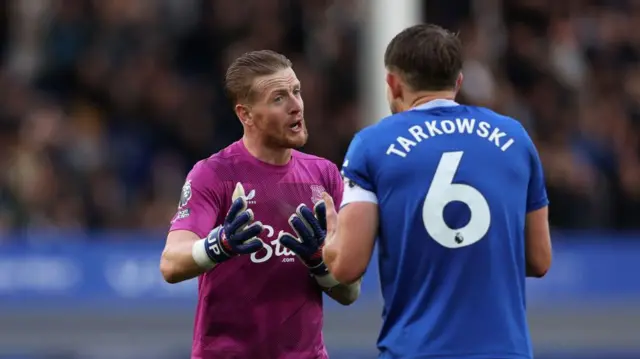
(279, 115)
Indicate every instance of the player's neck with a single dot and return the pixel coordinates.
(423, 97)
(272, 156)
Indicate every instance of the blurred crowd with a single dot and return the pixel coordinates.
(569, 71)
(107, 104)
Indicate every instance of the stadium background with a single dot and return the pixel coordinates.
(106, 104)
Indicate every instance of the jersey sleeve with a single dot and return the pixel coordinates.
(200, 202)
(537, 191)
(358, 183)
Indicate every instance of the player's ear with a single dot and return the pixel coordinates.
(244, 114)
(459, 82)
(395, 87)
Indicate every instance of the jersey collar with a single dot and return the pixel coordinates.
(436, 103)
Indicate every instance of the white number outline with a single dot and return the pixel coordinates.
(442, 192)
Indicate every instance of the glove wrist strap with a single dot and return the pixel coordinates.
(318, 270)
(215, 246)
(200, 256)
(327, 281)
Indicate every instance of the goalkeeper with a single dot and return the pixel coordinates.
(259, 288)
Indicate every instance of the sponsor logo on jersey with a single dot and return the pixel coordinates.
(272, 248)
(250, 197)
(182, 214)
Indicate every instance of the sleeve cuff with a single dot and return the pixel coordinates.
(357, 194)
(537, 205)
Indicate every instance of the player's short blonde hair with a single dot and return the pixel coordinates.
(243, 71)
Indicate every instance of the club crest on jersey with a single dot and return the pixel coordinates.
(316, 193)
(185, 195)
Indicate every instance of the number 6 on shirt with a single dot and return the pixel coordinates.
(442, 192)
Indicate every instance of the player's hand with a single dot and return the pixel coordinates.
(310, 227)
(331, 218)
(238, 235)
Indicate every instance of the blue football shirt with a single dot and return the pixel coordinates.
(453, 184)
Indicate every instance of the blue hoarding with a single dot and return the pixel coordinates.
(122, 271)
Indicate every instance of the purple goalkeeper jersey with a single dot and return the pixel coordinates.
(264, 305)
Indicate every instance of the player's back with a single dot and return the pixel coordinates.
(453, 196)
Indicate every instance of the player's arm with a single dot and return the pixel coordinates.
(351, 235)
(538, 243)
(189, 251)
(538, 251)
(197, 213)
(344, 294)
(177, 262)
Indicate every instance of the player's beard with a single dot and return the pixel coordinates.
(286, 139)
(295, 139)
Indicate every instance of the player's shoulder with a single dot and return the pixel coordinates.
(226, 155)
(498, 118)
(369, 137)
(320, 168)
(218, 163)
(313, 160)
(513, 128)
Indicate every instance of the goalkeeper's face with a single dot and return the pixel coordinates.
(278, 109)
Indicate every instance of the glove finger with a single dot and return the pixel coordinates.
(241, 220)
(320, 210)
(289, 241)
(302, 230)
(251, 245)
(237, 207)
(238, 192)
(247, 233)
(252, 230)
(312, 222)
(247, 241)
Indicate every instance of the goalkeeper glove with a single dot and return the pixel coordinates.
(237, 235)
(311, 229)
